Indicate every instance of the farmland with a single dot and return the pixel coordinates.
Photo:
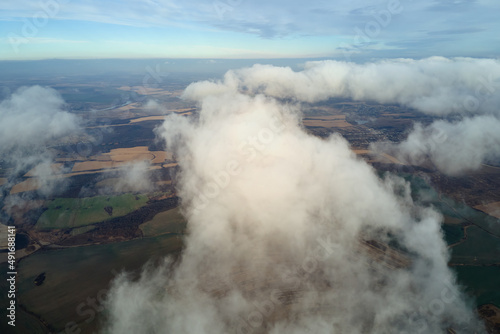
(76, 212)
(81, 229)
(68, 283)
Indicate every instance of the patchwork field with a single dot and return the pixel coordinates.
(119, 156)
(105, 162)
(75, 212)
(78, 272)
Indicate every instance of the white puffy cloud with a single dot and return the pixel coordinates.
(436, 85)
(288, 233)
(459, 87)
(454, 148)
(134, 177)
(152, 105)
(32, 116)
(31, 119)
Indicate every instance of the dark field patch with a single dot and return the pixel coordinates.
(481, 283)
(73, 275)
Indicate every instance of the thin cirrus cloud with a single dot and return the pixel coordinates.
(426, 28)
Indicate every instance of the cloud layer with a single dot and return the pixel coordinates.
(460, 87)
(288, 232)
(437, 85)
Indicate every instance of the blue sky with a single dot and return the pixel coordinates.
(45, 29)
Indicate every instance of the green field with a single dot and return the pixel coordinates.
(75, 274)
(170, 221)
(481, 282)
(76, 212)
(479, 248)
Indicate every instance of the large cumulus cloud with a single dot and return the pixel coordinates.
(287, 232)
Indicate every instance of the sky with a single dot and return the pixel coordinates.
(80, 29)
